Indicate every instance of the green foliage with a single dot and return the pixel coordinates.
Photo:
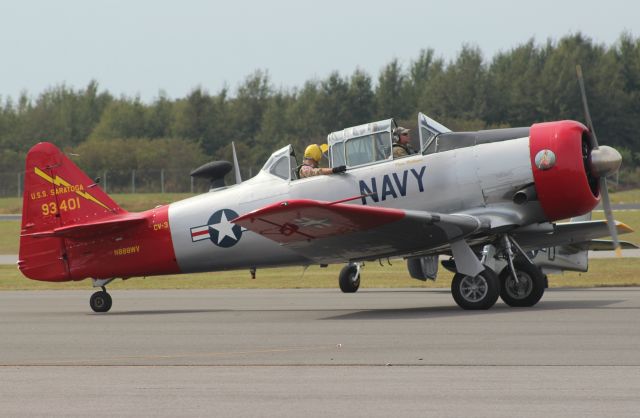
(513, 82)
(59, 115)
(530, 83)
(138, 153)
(390, 93)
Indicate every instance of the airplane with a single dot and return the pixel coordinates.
(491, 200)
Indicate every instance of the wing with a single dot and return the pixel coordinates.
(569, 233)
(607, 245)
(329, 232)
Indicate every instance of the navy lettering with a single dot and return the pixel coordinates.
(365, 190)
(402, 187)
(387, 188)
(393, 185)
(419, 177)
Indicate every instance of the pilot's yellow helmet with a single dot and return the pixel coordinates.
(313, 152)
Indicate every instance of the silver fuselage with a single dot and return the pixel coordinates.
(480, 179)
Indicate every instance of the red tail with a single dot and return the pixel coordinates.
(72, 230)
(57, 194)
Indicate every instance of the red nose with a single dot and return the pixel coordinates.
(559, 153)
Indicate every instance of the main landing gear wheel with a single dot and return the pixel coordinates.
(100, 301)
(529, 288)
(349, 278)
(479, 292)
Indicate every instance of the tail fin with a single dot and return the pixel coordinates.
(57, 194)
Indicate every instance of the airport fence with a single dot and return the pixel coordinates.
(124, 181)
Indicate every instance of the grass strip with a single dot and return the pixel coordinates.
(602, 272)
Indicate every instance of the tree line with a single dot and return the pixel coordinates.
(530, 83)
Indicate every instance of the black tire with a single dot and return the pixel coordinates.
(474, 293)
(100, 301)
(530, 288)
(349, 283)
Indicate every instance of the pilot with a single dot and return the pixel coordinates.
(401, 143)
(312, 156)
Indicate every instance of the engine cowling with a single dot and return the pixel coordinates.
(560, 154)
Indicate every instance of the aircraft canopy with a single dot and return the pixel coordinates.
(360, 145)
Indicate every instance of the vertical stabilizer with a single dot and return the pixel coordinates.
(56, 194)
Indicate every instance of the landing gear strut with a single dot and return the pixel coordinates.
(522, 283)
(527, 290)
(349, 278)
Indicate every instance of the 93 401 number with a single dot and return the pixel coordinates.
(64, 205)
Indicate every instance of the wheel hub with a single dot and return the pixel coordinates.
(520, 289)
(474, 289)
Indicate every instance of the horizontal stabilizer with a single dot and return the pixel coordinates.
(91, 229)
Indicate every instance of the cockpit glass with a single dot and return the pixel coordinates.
(429, 130)
(337, 154)
(361, 145)
(281, 168)
(279, 164)
(367, 149)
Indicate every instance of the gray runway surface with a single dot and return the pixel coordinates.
(318, 353)
(8, 259)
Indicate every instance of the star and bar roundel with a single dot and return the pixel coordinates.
(219, 229)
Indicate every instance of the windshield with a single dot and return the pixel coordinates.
(280, 163)
(429, 130)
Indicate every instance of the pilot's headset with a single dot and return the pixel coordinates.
(396, 135)
(399, 131)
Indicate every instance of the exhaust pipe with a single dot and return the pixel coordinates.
(524, 195)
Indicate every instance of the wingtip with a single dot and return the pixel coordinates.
(623, 228)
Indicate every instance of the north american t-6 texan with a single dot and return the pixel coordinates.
(491, 200)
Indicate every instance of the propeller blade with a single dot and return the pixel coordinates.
(611, 223)
(235, 164)
(587, 115)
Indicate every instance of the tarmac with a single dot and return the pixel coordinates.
(318, 352)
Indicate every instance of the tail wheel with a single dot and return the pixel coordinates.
(479, 292)
(349, 278)
(529, 288)
(100, 301)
